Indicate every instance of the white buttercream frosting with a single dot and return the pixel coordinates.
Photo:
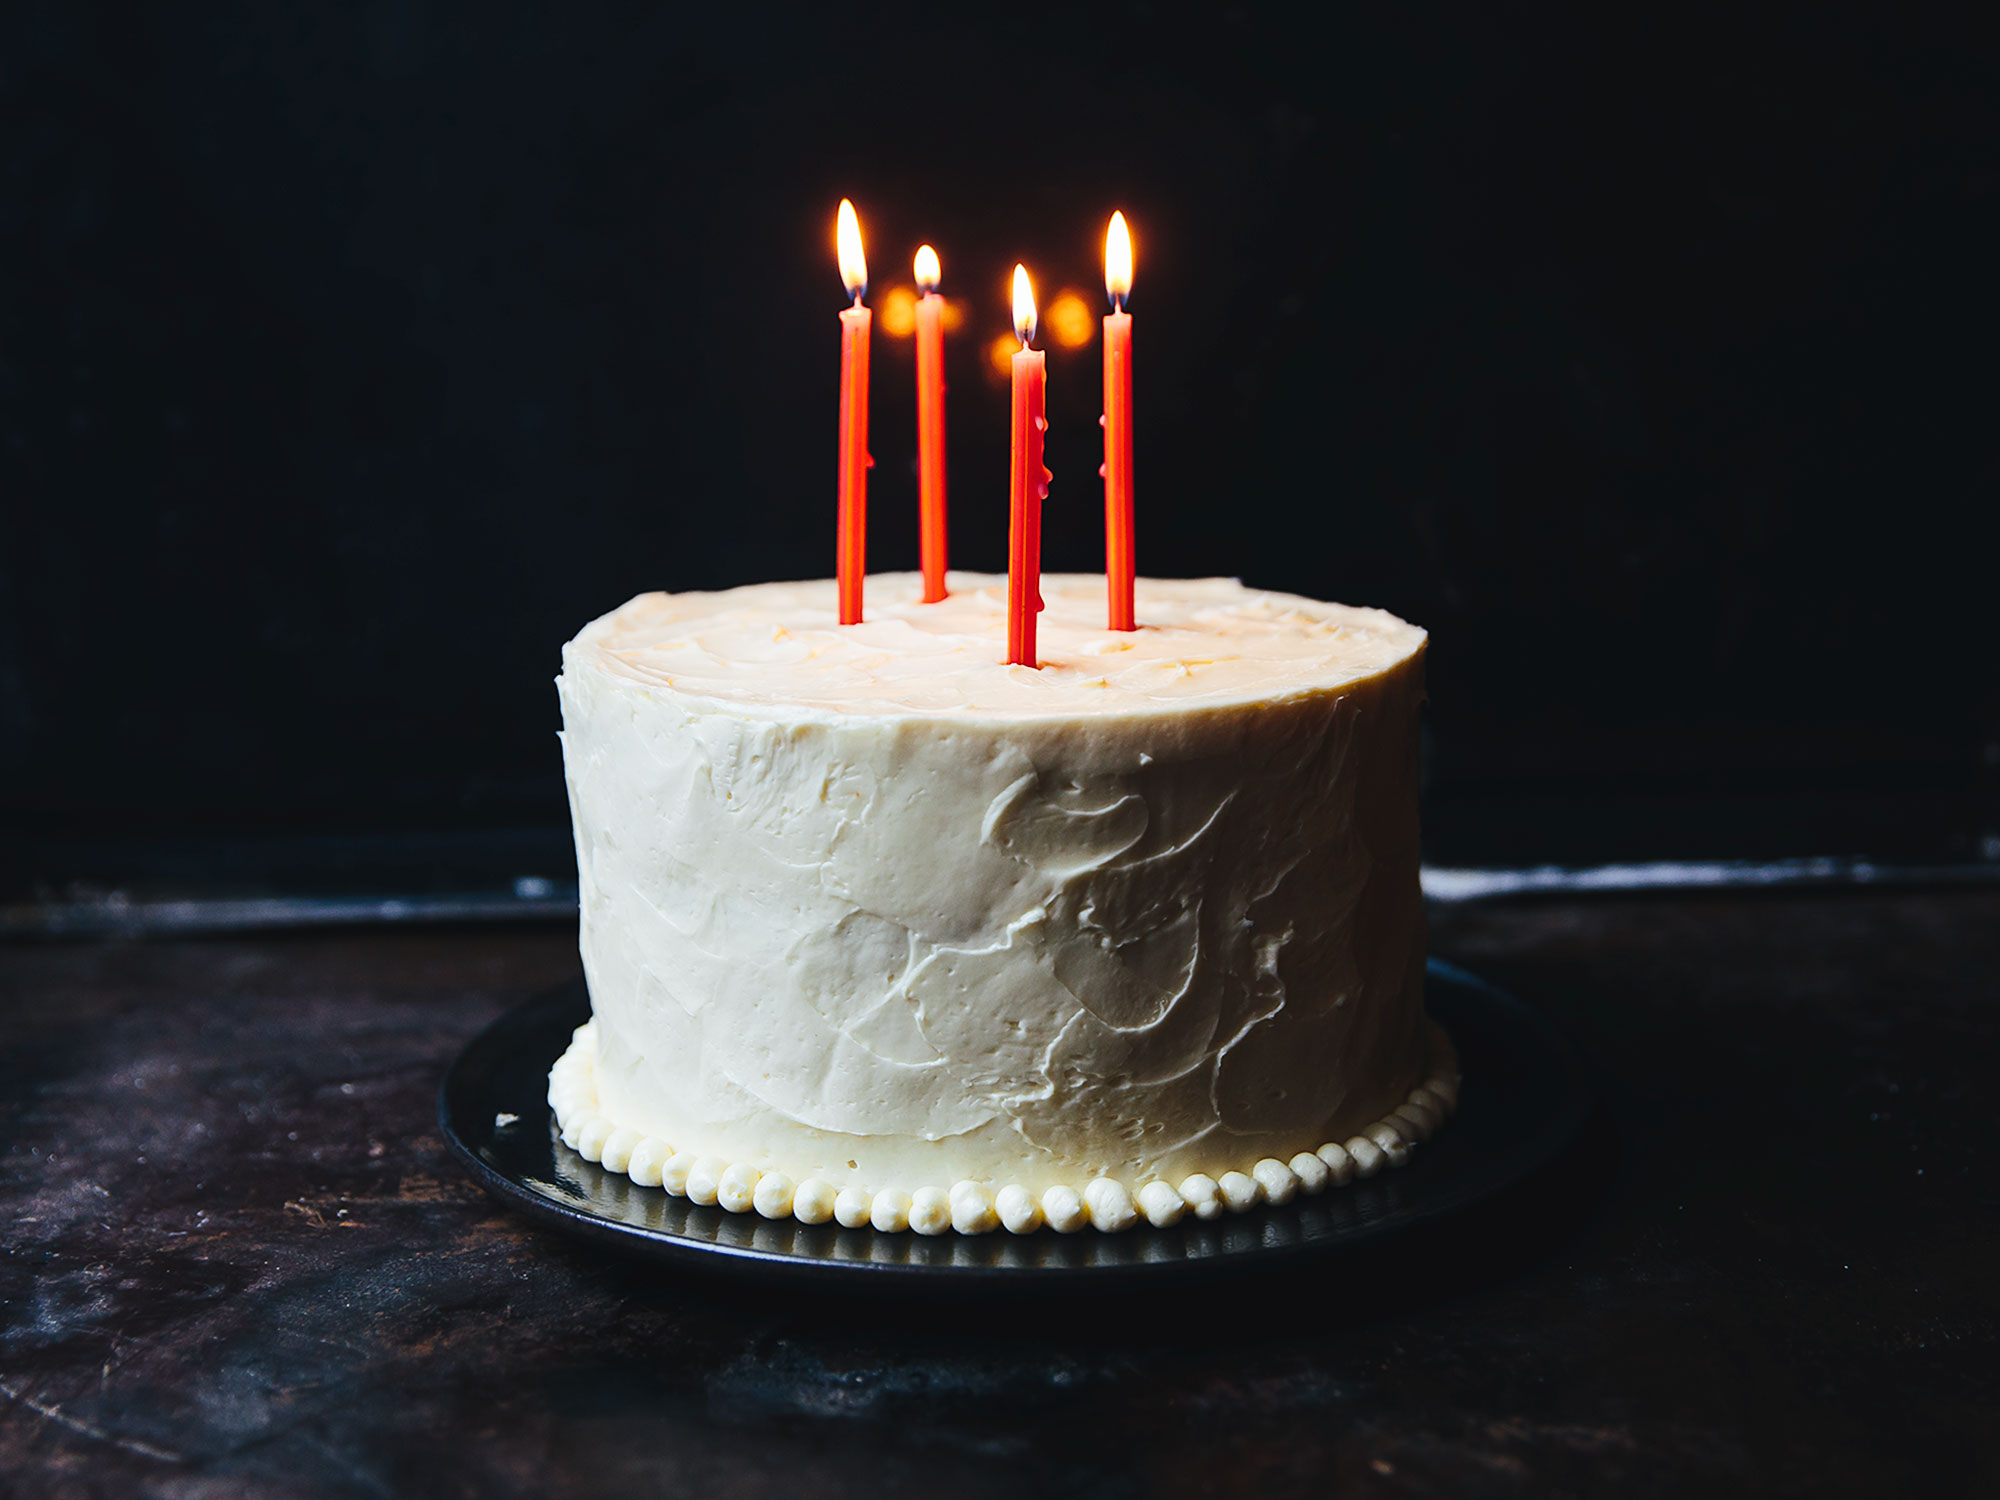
(774, 1195)
(1203, 1196)
(972, 1209)
(868, 909)
(775, 651)
(1020, 1210)
(1162, 1205)
(813, 1202)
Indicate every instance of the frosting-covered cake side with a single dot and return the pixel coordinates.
(865, 907)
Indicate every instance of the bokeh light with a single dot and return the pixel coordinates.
(1000, 355)
(1068, 320)
(897, 312)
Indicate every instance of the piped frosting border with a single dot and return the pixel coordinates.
(1105, 1204)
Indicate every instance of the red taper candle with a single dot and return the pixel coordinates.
(930, 424)
(1029, 481)
(1120, 554)
(851, 560)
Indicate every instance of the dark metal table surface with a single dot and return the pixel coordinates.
(238, 1261)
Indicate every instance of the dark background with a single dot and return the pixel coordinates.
(352, 357)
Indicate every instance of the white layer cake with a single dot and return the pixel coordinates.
(878, 927)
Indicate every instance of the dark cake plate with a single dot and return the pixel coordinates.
(1524, 1098)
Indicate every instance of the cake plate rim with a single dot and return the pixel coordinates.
(1531, 1105)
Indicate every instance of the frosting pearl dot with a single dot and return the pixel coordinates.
(704, 1180)
(1203, 1196)
(1162, 1206)
(736, 1189)
(972, 1210)
(1111, 1208)
(1064, 1210)
(1280, 1182)
(1421, 1095)
(930, 1210)
(812, 1203)
(1416, 1122)
(1391, 1140)
(1446, 1090)
(1311, 1172)
(1340, 1168)
(647, 1157)
(617, 1153)
(890, 1212)
(590, 1140)
(1018, 1210)
(773, 1198)
(852, 1207)
(1240, 1191)
(674, 1172)
(1368, 1157)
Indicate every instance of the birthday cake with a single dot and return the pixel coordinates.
(880, 929)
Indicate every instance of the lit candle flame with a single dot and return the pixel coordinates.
(929, 273)
(1118, 261)
(1024, 307)
(853, 265)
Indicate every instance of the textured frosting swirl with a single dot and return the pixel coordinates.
(778, 647)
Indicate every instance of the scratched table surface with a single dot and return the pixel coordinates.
(239, 1261)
